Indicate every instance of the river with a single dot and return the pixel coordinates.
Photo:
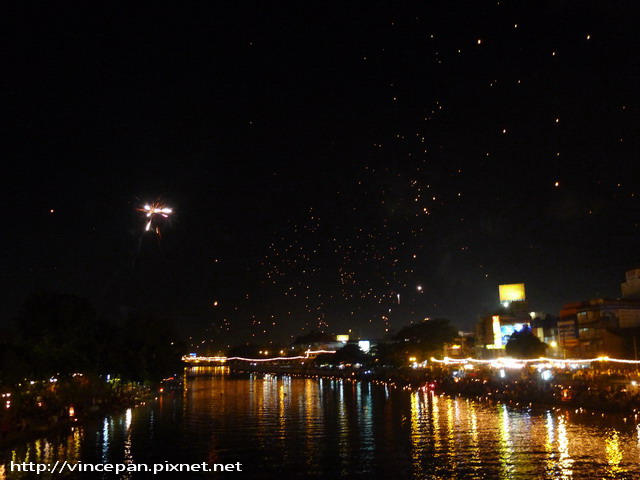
(282, 427)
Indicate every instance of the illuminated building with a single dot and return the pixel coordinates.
(603, 324)
(493, 331)
(568, 331)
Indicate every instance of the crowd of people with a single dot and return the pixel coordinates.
(589, 388)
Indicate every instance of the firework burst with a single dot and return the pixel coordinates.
(153, 212)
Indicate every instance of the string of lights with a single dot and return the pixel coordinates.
(524, 361)
(222, 359)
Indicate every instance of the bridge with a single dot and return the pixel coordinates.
(308, 354)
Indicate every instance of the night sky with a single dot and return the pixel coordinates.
(321, 159)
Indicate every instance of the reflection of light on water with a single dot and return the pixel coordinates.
(366, 424)
(331, 429)
(73, 453)
(152, 423)
(128, 457)
(47, 453)
(342, 413)
(548, 443)
(309, 403)
(284, 391)
(451, 450)
(311, 415)
(38, 449)
(435, 422)
(474, 447)
(565, 461)
(43, 451)
(417, 435)
(281, 412)
(550, 427)
(127, 419)
(613, 452)
(344, 430)
(105, 440)
(505, 446)
(265, 397)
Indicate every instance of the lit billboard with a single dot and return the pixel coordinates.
(513, 292)
(497, 334)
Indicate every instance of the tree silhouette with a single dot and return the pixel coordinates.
(57, 333)
(426, 338)
(524, 344)
(350, 353)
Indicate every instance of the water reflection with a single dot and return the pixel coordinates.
(127, 455)
(281, 427)
(565, 461)
(44, 450)
(474, 447)
(613, 452)
(505, 444)
(417, 433)
(549, 444)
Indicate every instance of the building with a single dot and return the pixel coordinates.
(545, 327)
(600, 323)
(493, 331)
(631, 288)
(461, 347)
(603, 326)
(568, 340)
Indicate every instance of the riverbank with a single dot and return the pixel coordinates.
(39, 407)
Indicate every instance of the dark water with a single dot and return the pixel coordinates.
(321, 428)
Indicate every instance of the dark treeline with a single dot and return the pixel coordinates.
(59, 334)
(422, 340)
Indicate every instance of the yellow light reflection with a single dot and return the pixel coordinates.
(474, 446)
(281, 411)
(417, 435)
(504, 446)
(451, 440)
(435, 422)
(548, 444)
(565, 461)
(613, 452)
